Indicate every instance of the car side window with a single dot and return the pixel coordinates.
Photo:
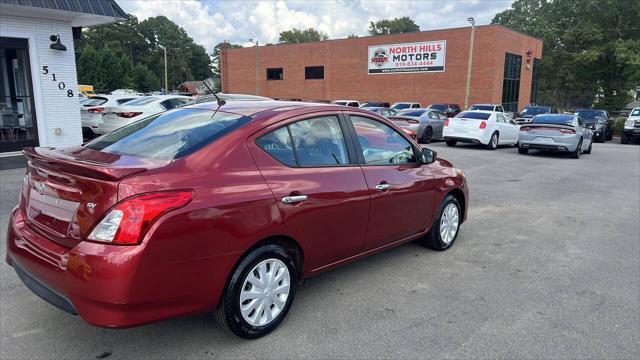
(380, 144)
(319, 142)
(433, 115)
(278, 144)
(415, 106)
(167, 105)
(499, 118)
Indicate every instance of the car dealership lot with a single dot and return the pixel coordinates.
(547, 265)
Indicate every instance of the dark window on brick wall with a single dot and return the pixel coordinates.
(275, 74)
(511, 82)
(314, 72)
(535, 76)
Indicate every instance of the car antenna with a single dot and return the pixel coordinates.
(220, 101)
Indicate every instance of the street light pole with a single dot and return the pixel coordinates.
(469, 63)
(166, 81)
(257, 67)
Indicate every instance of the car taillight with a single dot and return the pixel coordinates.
(483, 125)
(567, 131)
(128, 221)
(525, 128)
(128, 114)
(446, 122)
(97, 110)
(412, 121)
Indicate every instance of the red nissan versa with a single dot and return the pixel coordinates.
(196, 209)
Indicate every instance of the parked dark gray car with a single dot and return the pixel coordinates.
(426, 123)
(555, 132)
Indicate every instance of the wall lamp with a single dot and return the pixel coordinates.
(56, 44)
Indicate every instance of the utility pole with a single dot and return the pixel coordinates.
(166, 81)
(257, 67)
(470, 61)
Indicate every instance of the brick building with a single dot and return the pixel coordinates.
(504, 66)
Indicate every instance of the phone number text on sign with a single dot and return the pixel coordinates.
(406, 58)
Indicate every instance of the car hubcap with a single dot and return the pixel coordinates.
(449, 223)
(264, 292)
(495, 141)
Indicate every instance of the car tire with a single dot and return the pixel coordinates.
(522, 150)
(602, 138)
(624, 138)
(609, 137)
(442, 240)
(451, 142)
(588, 151)
(576, 153)
(427, 135)
(262, 260)
(493, 141)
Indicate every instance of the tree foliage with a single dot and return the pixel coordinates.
(130, 55)
(591, 48)
(394, 26)
(295, 36)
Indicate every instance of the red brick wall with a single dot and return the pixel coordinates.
(346, 77)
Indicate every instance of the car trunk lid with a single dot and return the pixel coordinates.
(67, 191)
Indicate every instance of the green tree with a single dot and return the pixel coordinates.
(144, 79)
(591, 49)
(395, 26)
(295, 36)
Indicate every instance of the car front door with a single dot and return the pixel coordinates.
(402, 191)
(508, 131)
(322, 196)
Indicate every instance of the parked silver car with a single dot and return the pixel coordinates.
(426, 123)
(556, 132)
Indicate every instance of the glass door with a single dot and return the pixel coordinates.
(17, 116)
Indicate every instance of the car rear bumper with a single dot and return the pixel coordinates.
(470, 136)
(113, 286)
(548, 146)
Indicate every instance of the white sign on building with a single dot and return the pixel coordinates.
(426, 56)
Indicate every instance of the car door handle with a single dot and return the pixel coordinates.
(294, 199)
(383, 187)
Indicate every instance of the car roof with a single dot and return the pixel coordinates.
(251, 108)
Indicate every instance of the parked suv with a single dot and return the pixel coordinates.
(529, 112)
(599, 121)
(207, 208)
(450, 110)
(631, 126)
(351, 103)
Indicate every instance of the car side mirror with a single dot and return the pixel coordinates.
(428, 156)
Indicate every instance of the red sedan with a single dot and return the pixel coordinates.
(196, 209)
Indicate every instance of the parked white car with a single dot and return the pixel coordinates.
(94, 107)
(116, 117)
(352, 103)
(405, 105)
(489, 128)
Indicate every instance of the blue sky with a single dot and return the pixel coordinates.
(210, 22)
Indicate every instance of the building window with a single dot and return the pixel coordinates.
(314, 73)
(535, 75)
(275, 74)
(511, 82)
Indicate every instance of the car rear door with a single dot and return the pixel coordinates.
(401, 190)
(310, 166)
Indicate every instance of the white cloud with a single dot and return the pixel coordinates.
(210, 22)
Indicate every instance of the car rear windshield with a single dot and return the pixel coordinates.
(482, 107)
(340, 102)
(590, 114)
(535, 110)
(553, 119)
(95, 101)
(474, 115)
(416, 113)
(142, 101)
(169, 135)
(438, 107)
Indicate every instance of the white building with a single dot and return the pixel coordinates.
(39, 104)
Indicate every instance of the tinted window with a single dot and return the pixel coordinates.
(381, 145)
(340, 102)
(275, 74)
(314, 72)
(400, 106)
(590, 114)
(353, 104)
(482, 107)
(474, 115)
(278, 144)
(95, 101)
(553, 119)
(122, 101)
(535, 110)
(319, 141)
(441, 107)
(416, 113)
(142, 101)
(170, 135)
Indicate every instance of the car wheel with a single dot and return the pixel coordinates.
(259, 292)
(522, 150)
(602, 138)
(427, 135)
(576, 153)
(444, 230)
(493, 142)
(588, 151)
(624, 138)
(609, 137)
(451, 142)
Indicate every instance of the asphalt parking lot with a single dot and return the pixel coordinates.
(547, 266)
